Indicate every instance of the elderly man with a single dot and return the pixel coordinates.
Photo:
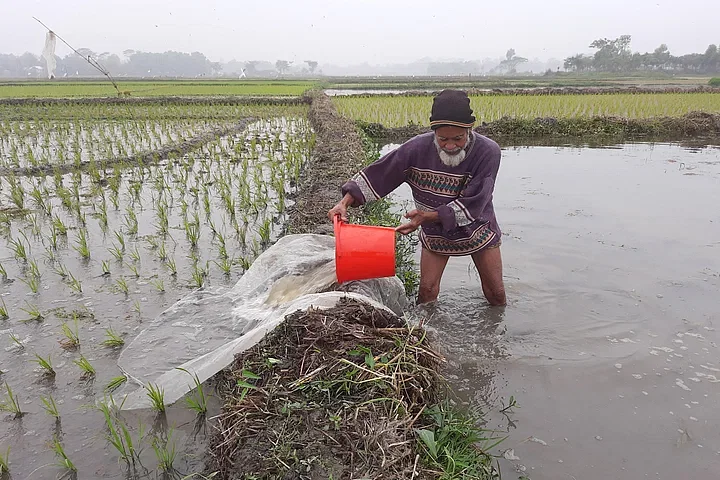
(451, 172)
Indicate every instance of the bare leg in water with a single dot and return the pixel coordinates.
(488, 263)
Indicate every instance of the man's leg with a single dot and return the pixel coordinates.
(489, 265)
(432, 266)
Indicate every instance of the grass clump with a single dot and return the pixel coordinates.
(714, 82)
(342, 393)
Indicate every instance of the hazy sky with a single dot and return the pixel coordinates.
(349, 32)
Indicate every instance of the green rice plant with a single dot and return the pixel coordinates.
(11, 403)
(58, 226)
(71, 338)
(87, 369)
(170, 263)
(122, 286)
(198, 275)
(226, 265)
(50, 406)
(3, 309)
(18, 248)
(5, 464)
(198, 401)
(120, 239)
(82, 244)
(16, 340)
(165, 455)
(131, 222)
(17, 193)
(116, 252)
(162, 252)
(115, 382)
(60, 453)
(119, 435)
(159, 284)
(134, 269)
(136, 307)
(33, 311)
(157, 397)
(3, 272)
(74, 283)
(112, 339)
(135, 254)
(45, 364)
(105, 267)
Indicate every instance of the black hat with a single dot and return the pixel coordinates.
(451, 108)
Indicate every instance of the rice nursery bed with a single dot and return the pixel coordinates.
(90, 254)
(400, 111)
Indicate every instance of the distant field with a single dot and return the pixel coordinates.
(153, 88)
(398, 111)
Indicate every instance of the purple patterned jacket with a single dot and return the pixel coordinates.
(461, 195)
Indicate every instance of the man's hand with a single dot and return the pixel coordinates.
(341, 208)
(417, 218)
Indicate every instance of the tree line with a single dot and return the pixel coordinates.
(610, 55)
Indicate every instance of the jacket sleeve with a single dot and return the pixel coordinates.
(380, 177)
(473, 200)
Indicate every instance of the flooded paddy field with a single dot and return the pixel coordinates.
(609, 342)
(92, 251)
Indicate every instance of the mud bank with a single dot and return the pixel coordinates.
(337, 156)
(517, 131)
(158, 100)
(144, 158)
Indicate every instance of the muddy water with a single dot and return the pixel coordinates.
(609, 342)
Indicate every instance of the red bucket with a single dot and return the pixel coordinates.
(363, 251)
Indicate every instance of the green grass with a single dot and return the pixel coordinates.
(402, 111)
(46, 89)
(5, 463)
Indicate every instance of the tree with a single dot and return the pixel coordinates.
(312, 64)
(612, 55)
(281, 66)
(511, 62)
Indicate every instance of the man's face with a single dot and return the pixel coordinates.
(451, 139)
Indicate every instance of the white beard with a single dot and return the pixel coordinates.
(448, 159)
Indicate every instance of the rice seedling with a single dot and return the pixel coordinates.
(18, 248)
(135, 254)
(131, 222)
(198, 275)
(225, 265)
(11, 404)
(45, 364)
(157, 397)
(159, 284)
(33, 311)
(112, 339)
(3, 272)
(120, 239)
(50, 406)
(58, 226)
(164, 453)
(3, 309)
(60, 453)
(134, 269)
(87, 369)
(71, 340)
(16, 340)
(5, 463)
(170, 263)
(115, 382)
(122, 286)
(197, 401)
(105, 268)
(74, 284)
(82, 244)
